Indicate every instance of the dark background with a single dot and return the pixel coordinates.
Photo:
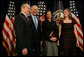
(49, 4)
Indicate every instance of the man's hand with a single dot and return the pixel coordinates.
(24, 51)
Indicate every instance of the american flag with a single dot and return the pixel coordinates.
(9, 40)
(79, 27)
(42, 9)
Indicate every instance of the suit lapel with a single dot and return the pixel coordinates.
(32, 23)
(24, 18)
(31, 20)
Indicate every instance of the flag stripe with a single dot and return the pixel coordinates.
(8, 30)
(13, 30)
(7, 47)
(75, 18)
(80, 40)
(7, 36)
(7, 40)
(79, 26)
(8, 24)
(80, 35)
(79, 30)
(81, 46)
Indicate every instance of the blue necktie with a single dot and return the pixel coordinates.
(35, 22)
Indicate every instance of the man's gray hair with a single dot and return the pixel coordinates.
(34, 6)
(24, 5)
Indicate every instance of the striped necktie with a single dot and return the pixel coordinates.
(35, 22)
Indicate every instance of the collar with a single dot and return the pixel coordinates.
(24, 14)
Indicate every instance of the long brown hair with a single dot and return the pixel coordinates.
(46, 14)
(70, 15)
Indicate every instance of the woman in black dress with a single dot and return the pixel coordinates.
(50, 36)
(70, 38)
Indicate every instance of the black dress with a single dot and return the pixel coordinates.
(69, 39)
(47, 28)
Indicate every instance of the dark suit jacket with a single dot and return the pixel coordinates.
(47, 28)
(36, 33)
(23, 33)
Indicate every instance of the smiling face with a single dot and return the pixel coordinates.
(66, 13)
(49, 15)
(34, 10)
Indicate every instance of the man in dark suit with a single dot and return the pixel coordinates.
(23, 32)
(36, 28)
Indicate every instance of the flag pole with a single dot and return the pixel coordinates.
(70, 5)
(10, 18)
(10, 15)
(10, 9)
(59, 11)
